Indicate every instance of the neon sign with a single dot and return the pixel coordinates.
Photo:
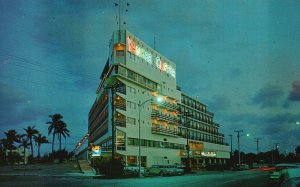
(209, 154)
(141, 52)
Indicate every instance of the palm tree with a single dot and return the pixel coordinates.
(11, 137)
(53, 125)
(62, 131)
(3, 146)
(40, 140)
(25, 144)
(31, 132)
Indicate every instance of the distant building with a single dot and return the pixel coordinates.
(20, 152)
(142, 84)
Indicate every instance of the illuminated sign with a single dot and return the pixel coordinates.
(142, 53)
(209, 154)
(96, 150)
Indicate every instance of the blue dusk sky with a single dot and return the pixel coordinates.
(240, 57)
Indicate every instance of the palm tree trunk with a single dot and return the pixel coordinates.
(31, 147)
(59, 142)
(39, 147)
(53, 143)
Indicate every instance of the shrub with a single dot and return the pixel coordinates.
(108, 167)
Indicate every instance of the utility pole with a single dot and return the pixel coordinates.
(257, 147)
(238, 137)
(230, 135)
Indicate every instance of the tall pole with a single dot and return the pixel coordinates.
(238, 137)
(257, 146)
(140, 106)
(139, 138)
(187, 142)
(230, 135)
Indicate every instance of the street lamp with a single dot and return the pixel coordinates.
(159, 99)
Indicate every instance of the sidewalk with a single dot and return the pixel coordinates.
(49, 170)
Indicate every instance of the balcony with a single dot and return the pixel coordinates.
(210, 113)
(120, 122)
(165, 104)
(164, 131)
(164, 117)
(120, 105)
(216, 124)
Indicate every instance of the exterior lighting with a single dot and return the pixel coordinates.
(297, 123)
(160, 99)
(247, 134)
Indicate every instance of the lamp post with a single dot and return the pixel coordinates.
(140, 106)
(159, 99)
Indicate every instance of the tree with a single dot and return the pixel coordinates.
(3, 147)
(31, 132)
(25, 143)
(62, 131)
(40, 140)
(11, 137)
(53, 126)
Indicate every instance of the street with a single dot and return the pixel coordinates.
(227, 178)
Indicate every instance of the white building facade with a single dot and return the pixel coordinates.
(151, 117)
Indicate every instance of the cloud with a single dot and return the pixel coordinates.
(268, 96)
(219, 102)
(16, 109)
(295, 93)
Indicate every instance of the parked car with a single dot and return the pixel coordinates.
(179, 169)
(290, 177)
(161, 170)
(133, 169)
(276, 173)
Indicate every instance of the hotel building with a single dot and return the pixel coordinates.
(139, 96)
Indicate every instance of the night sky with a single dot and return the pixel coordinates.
(240, 57)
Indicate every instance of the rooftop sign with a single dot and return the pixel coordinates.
(137, 50)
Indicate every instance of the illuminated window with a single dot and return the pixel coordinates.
(120, 53)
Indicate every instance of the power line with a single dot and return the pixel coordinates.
(24, 60)
(41, 84)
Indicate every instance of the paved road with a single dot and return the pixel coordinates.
(218, 179)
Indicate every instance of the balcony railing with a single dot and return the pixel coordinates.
(120, 122)
(216, 124)
(164, 131)
(164, 117)
(210, 113)
(120, 105)
(166, 105)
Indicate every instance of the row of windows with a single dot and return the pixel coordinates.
(202, 137)
(137, 78)
(193, 103)
(99, 120)
(196, 114)
(98, 106)
(198, 125)
(151, 143)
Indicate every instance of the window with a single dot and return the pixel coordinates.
(131, 104)
(131, 120)
(120, 53)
